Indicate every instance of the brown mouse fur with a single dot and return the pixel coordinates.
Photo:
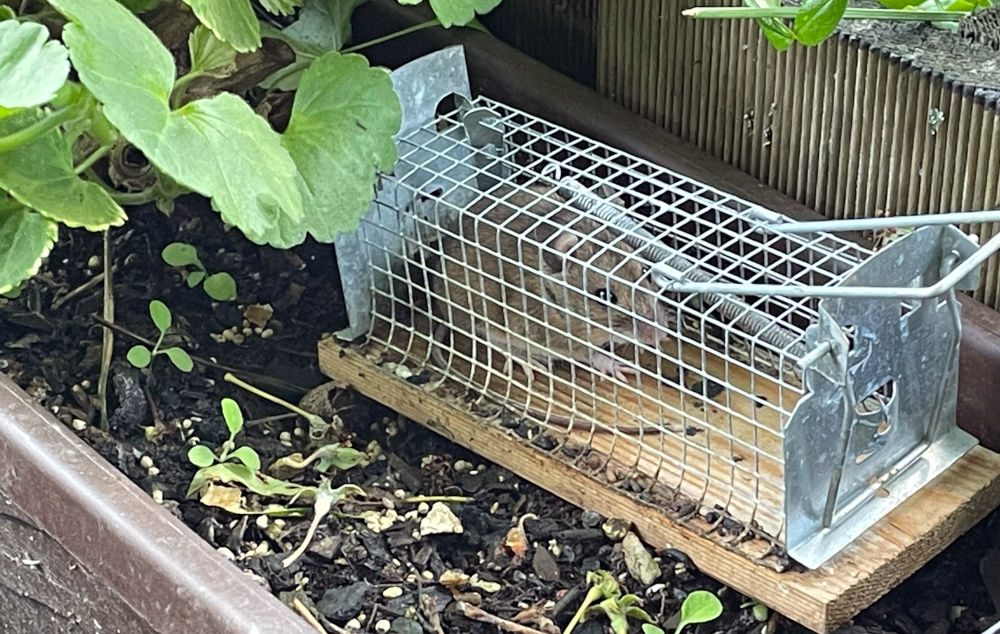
(583, 280)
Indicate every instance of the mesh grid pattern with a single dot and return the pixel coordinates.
(484, 274)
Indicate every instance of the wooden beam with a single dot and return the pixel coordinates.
(819, 599)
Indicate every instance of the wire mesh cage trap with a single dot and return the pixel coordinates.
(634, 322)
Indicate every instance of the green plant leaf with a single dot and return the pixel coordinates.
(6, 13)
(209, 54)
(457, 12)
(213, 146)
(247, 456)
(233, 416)
(701, 606)
(251, 480)
(220, 286)
(160, 315)
(140, 6)
(194, 278)
(776, 31)
(32, 67)
(40, 175)
(25, 239)
(181, 254)
(280, 7)
(180, 358)
(342, 458)
(232, 21)
(123, 64)
(340, 132)
(817, 19)
(649, 628)
(254, 188)
(139, 356)
(324, 24)
(201, 456)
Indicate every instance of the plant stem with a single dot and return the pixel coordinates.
(92, 158)
(386, 38)
(180, 86)
(37, 129)
(132, 198)
(314, 420)
(852, 13)
(107, 335)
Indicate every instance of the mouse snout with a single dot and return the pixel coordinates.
(649, 333)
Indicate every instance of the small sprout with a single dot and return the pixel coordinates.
(607, 594)
(203, 457)
(219, 286)
(701, 606)
(141, 357)
(324, 502)
(759, 610)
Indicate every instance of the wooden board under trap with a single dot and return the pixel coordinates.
(819, 599)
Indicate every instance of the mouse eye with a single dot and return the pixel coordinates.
(606, 294)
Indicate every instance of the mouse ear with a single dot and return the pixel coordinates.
(558, 248)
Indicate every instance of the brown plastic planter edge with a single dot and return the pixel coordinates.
(170, 578)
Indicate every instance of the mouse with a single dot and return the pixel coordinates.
(539, 280)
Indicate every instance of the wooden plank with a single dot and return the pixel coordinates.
(819, 599)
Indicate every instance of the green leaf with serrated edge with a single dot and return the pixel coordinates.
(259, 483)
(220, 286)
(323, 24)
(255, 186)
(25, 239)
(139, 356)
(233, 416)
(181, 254)
(210, 146)
(180, 358)
(777, 32)
(247, 456)
(209, 54)
(40, 175)
(201, 456)
(32, 67)
(817, 19)
(232, 21)
(160, 315)
(123, 64)
(280, 7)
(340, 132)
(457, 12)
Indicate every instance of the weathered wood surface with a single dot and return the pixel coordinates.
(821, 599)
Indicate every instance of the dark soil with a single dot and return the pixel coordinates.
(51, 347)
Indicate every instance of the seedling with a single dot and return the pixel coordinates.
(607, 594)
(219, 286)
(701, 606)
(202, 456)
(140, 356)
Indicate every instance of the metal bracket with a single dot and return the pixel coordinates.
(421, 85)
(840, 481)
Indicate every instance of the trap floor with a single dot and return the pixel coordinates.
(820, 599)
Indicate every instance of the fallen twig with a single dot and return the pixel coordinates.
(310, 619)
(476, 614)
